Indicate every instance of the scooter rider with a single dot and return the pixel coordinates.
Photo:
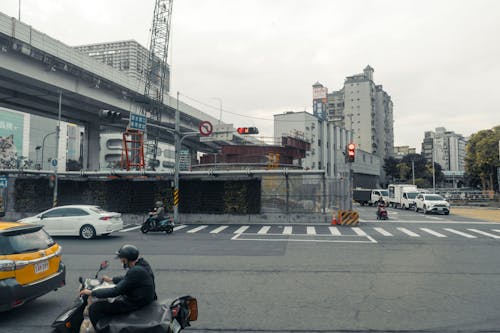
(380, 205)
(158, 214)
(133, 291)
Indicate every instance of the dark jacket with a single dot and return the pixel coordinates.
(137, 287)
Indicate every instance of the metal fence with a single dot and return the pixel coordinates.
(302, 194)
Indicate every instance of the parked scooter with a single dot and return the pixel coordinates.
(382, 212)
(166, 225)
(166, 317)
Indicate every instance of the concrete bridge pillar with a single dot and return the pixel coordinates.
(92, 146)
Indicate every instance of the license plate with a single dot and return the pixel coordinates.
(41, 267)
(175, 326)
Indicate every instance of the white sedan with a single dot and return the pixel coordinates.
(77, 220)
(432, 203)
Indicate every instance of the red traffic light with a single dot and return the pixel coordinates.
(351, 152)
(248, 130)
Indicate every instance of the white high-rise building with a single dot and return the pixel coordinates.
(448, 149)
(366, 109)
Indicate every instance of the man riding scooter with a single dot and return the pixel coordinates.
(381, 211)
(133, 291)
(157, 215)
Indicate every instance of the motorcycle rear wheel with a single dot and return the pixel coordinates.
(144, 229)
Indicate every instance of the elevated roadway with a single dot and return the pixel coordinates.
(34, 68)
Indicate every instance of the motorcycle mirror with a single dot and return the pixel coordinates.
(104, 265)
(80, 279)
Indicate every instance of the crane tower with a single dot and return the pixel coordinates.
(157, 74)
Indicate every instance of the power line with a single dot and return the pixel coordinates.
(234, 113)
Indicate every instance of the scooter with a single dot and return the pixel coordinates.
(170, 316)
(382, 213)
(166, 225)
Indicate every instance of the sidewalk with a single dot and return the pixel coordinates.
(488, 214)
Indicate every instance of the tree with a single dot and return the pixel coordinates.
(391, 167)
(401, 171)
(482, 160)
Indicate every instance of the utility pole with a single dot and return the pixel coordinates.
(351, 181)
(177, 140)
(19, 12)
(433, 169)
(58, 135)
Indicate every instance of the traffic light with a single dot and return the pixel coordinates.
(110, 115)
(351, 152)
(248, 130)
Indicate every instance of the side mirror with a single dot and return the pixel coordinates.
(41, 216)
(104, 265)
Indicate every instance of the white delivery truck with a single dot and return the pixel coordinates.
(402, 195)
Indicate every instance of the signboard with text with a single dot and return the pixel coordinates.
(138, 122)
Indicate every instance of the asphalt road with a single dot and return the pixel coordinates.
(412, 273)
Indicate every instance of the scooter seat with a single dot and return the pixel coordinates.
(152, 318)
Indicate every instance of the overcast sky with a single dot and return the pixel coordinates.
(439, 60)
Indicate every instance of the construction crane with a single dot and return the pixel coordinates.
(157, 75)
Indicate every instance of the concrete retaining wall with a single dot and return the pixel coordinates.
(133, 219)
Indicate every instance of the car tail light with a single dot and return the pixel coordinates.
(7, 265)
(105, 218)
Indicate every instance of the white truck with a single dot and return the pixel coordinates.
(369, 196)
(402, 195)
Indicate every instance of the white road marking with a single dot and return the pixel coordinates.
(359, 232)
(459, 233)
(264, 230)
(130, 229)
(434, 233)
(192, 231)
(311, 230)
(362, 220)
(287, 230)
(383, 232)
(334, 231)
(434, 218)
(408, 232)
(242, 229)
(179, 227)
(430, 222)
(484, 233)
(496, 230)
(219, 229)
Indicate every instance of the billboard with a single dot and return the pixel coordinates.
(11, 135)
(320, 93)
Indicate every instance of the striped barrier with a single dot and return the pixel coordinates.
(348, 217)
(176, 197)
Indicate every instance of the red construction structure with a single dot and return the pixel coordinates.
(133, 150)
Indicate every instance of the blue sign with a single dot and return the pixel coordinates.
(54, 162)
(4, 181)
(137, 122)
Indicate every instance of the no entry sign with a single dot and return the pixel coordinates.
(206, 128)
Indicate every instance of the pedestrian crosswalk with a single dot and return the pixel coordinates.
(380, 232)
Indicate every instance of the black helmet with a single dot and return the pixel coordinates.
(129, 252)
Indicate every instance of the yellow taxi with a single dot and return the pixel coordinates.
(30, 264)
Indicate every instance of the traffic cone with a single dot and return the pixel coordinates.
(334, 220)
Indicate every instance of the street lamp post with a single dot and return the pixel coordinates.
(220, 108)
(58, 135)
